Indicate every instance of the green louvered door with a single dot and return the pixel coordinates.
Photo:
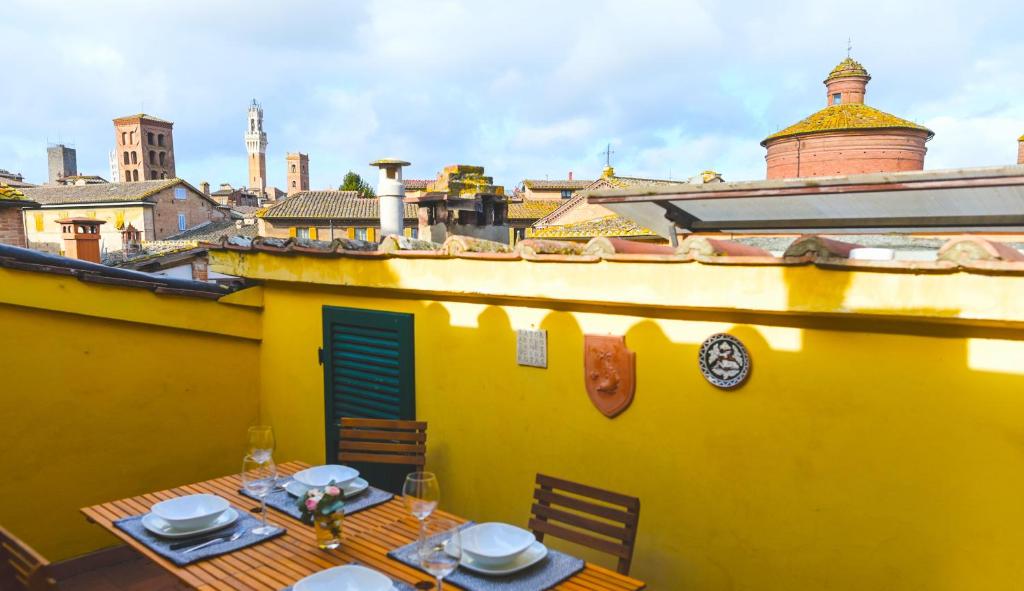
(368, 373)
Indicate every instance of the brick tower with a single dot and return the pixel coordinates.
(256, 145)
(145, 148)
(847, 136)
(1020, 150)
(298, 172)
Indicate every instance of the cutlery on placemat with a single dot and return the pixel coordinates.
(212, 542)
(200, 539)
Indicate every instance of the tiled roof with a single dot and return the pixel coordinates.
(144, 116)
(1020, 139)
(609, 225)
(849, 116)
(9, 193)
(24, 259)
(416, 184)
(846, 69)
(212, 231)
(98, 193)
(607, 182)
(968, 253)
(333, 205)
(545, 184)
(531, 209)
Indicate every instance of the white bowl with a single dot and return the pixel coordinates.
(191, 512)
(350, 577)
(493, 544)
(321, 476)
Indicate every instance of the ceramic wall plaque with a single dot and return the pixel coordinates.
(610, 373)
(724, 361)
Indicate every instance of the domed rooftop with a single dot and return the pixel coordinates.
(847, 68)
(850, 116)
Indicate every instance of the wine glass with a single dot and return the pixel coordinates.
(440, 553)
(261, 441)
(421, 493)
(258, 477)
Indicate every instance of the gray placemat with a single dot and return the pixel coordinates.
(245, 523)
(548, 572)
(398, 585)
(289, 505)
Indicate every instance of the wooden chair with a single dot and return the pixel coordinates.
(592, 517)
(21, 567)
(383, 441)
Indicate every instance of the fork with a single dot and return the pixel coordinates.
(212, 542)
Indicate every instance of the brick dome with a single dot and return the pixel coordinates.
(847, 136)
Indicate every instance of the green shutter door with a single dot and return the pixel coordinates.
(368, 373)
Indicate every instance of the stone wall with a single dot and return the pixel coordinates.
(166, 209)
(12, 227)
(844, 153)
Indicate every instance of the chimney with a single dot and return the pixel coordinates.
(200, 269)
(570, 175)
(390, 195)
(131, 240)
(204, 187)
(81, 238)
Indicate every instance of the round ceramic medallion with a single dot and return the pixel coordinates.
(724, 361)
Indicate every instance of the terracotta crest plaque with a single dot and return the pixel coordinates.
(724, 361)
(610, 373)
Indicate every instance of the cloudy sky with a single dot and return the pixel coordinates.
(529, 89)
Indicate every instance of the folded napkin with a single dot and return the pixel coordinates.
(162, 546)
(548, 572)
(287, 504)
(398, 585)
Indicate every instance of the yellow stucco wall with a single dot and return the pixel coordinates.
(44, 233)
(110, 392)
(865, 452)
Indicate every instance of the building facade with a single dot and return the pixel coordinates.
(12, 223)
(552, 190)
(256, 147)
(297, 172)
(326, 215)
(158, 209)
(847, 136)
(145, 145)
(61, 162)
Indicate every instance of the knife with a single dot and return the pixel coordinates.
(199, 540)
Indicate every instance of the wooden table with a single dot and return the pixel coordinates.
(367, 538)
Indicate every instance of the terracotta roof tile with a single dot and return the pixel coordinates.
(9, 193)
(537, 184)
(847, 68)
(846, 117)
(819, 246)
(335, 205)
(98, 193)
(531, 209)
(609, 225)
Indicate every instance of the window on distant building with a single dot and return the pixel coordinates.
(293, 168)
(152, 157)
(160, 139)
(124, 137)
(360, 233)
(566, 193)
(182, 222)
(135, 174)
(131, 136)
(302, 233)
(126, 157)
(135, 158)
(163, 175)
(152, 175)
(162, 154)
(149, 137)
(179, 193)
(293, 184)
(837, 98)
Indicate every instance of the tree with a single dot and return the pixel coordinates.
(354, 182)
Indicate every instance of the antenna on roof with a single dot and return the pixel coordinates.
(849, 46)
(607, 153)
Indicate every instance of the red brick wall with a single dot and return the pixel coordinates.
(12, 227)
(843, 153)
(1020, 152)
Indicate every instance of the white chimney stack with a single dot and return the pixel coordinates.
(390, 193)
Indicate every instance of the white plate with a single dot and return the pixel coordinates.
(531, 556)
(495, 544)
(319, 476)
(350, 577)
(164, 529)
(297, 489)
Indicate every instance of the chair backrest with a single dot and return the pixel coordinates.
(589, 516)
(383, 441)
(21, 567)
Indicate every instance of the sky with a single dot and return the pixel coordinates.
(528, 89)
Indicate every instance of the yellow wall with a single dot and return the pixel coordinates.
(50, 239)
(864, 452)
(110, 392)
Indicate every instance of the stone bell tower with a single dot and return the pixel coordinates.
(256, 146)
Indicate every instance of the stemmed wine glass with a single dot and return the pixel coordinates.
(261, 441)
(258, 477)
(440, 553)
(421, 493)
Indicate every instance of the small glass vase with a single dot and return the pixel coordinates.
(328, 529)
